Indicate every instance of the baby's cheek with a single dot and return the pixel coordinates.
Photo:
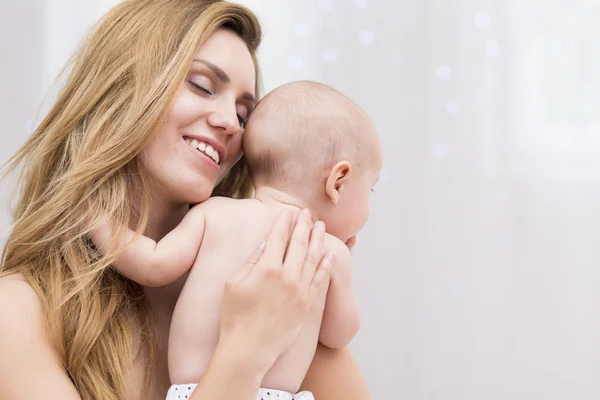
(362, 216)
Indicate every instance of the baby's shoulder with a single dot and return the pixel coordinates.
(335, 243)
(225, 211)
(218, 203)
(338, 248)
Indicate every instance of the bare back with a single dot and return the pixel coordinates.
(232, 227)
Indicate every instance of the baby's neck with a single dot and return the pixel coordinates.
(279, 198)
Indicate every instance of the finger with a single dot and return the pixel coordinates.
(278, 239)
(321, 278)
(297, 249)
(249, 265)
(314, 254)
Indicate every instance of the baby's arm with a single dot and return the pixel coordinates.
(341, 319)
(156, 264)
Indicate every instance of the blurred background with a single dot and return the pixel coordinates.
(478, 272)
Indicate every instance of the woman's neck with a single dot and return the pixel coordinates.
(163, 218)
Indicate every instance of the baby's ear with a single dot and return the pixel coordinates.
(337, 180)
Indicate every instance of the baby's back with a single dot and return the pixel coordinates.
(234, 229)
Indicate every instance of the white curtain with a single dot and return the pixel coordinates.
(478, 272)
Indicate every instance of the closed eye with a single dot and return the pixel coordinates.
(242, 121)
(203, 89)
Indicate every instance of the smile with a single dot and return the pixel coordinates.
(205, 148)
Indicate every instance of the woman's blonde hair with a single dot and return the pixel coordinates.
(81, 163)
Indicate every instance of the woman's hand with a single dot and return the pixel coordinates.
(266, 302)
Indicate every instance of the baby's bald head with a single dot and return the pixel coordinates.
(301, 129)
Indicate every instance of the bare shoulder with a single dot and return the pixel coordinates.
(18, 299)
(342, 255)
(21, 315)
(214, 205)
(227, 209)
(219, 202)
(28, 358)
(336, 246)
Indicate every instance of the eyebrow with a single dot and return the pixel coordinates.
(223, 77)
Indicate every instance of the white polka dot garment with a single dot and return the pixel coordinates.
(182, 392)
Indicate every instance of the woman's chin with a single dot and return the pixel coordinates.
(198, 189)
(195, 198)
(187, 196)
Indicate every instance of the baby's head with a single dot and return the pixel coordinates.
(312, 142)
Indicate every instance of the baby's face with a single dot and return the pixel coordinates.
(352, 211)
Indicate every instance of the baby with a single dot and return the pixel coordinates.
(307, 146)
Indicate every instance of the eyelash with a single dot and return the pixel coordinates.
(241, 119)
(203, 89)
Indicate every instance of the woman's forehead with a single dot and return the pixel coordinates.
(228, 58)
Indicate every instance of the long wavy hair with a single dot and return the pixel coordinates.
(80, 164)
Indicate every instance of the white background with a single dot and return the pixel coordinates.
(478, 271)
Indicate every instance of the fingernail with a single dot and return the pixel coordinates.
(320, 226)
(329, 258)
(261, 247)
(306, 212)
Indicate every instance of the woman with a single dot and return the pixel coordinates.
(113, 144)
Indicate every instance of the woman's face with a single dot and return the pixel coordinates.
(202, 136)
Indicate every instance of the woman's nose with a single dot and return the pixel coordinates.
(225, 120)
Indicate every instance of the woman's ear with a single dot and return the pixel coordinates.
(337, 180)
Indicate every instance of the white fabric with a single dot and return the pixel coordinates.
(182, 392)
